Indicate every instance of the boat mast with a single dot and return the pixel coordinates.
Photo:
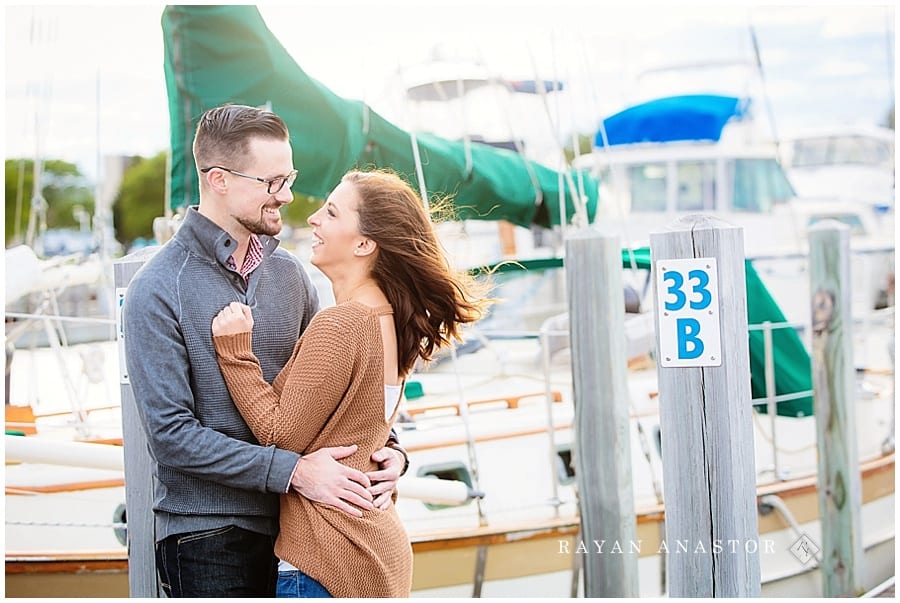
(889, 42)
(766, 98)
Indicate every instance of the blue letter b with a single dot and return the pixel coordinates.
(689, 346)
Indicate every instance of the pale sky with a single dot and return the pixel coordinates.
(84, 81)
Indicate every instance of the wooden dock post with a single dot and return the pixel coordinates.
(602, 440)
(712, 532)
(142, 580)
(840, 486)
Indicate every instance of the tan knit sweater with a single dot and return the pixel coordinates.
(330, 393)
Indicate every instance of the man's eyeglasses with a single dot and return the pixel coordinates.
(274, 184)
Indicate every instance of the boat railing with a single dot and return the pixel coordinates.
(770, 400)
(875, 249)
(57, 340)
(81, 319)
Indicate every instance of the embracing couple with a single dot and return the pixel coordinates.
(269, 421)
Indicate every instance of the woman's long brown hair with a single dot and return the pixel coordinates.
(431, 300)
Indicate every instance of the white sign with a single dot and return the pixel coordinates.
(120, 334)
(688, 311)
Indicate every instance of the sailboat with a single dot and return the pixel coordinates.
(494, 425)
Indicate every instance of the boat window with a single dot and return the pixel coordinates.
(758, 185)
(648, 187)
(824, 150)
(696, 186)
(565, 468)
(810, 152)
(453, 470)
(859, 150)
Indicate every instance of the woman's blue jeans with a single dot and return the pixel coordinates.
(295, 584)
(223, 562)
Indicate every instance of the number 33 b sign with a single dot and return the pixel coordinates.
(688, 311)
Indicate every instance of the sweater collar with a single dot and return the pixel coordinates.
(206, 238)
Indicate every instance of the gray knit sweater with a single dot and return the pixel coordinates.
(209, 470)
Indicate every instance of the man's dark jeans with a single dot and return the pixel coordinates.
(224, 562)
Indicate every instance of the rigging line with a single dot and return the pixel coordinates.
(365, 97)
(576, 137)
(42, 33)
(889, 42)
(420, 172)
(578, 204)
(613, 174)
(766, 98)
(616, 190)
(506, 111)
(563, 217)
(645, 449)
(576, 146)
(576, 143)
(467, 140)
(466, 137)
(470, 440)
(417, 160)
(20, 186)
(548, 405)
(365, 119)
(798, 231)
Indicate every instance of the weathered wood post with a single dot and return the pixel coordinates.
(833, 394)
(602, 438)
(142, 581)
(712, 531)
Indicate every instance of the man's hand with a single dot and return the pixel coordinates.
(320, 477)
(385, 479)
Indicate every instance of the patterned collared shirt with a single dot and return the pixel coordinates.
(251, 260)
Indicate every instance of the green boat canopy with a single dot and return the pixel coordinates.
(226, 54)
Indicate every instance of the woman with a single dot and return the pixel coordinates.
(396, 301)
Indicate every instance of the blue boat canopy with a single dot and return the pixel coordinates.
(688, 117)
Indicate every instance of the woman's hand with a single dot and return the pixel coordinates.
(234, 318)
(384, 481)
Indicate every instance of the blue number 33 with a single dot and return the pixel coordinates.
(677, 285)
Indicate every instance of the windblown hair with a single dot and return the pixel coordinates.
(431, 301)
(224, 133)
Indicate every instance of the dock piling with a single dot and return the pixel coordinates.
(712, 533)
(601, 425)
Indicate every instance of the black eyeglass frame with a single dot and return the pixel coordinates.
(292, 177)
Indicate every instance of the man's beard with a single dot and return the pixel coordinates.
(260, 226)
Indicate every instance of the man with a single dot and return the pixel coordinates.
(215, 489)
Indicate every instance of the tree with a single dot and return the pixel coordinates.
(297, 212)
(141, 198)
(64, 189)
